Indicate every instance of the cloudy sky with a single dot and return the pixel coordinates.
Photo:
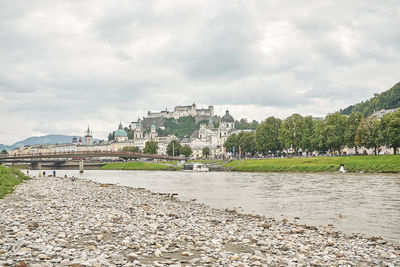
(67, 64)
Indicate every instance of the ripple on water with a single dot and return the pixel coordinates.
(370, 201)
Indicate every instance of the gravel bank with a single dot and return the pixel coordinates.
(58, 222)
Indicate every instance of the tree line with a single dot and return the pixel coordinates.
(307, 134)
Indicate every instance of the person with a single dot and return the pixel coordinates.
(73, 178)
(54, 173)
(44, 173)
(341, 169)
(27, 172)
(40, 174)
(65, 176)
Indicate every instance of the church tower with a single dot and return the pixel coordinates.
(88, 137)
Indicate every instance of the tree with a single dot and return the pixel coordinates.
(245, 125)
(151, 147)
(267, 136)
(206, 151)
(390, 126)
(246, 142)
(291, 132)
(231, 141)
(129, 132)
(387, 100)
(318, 140)
(353, 121)
(131, 149)
(186, 150)
(182, 127)
(369, 134)
(4, 152)
(335, 128)
(111, 136)
(308, 133)
(174, 148)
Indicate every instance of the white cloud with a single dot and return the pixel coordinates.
(66, 64)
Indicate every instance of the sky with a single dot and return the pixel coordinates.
(68, 64)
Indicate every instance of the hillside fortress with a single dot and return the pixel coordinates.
(182, 111)
(158, 118)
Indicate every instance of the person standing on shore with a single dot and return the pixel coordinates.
(27, 172)
(54, 173)
(44, 173)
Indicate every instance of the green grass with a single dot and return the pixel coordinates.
(9, 177)
(168, 162)
(382, 163)
(137, 166)
(216, 161)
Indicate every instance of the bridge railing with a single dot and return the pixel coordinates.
(94, 153)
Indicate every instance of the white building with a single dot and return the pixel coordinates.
(182, 111)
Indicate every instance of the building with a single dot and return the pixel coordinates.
(211, 137)
(88, 137)
(182, 111)
(379, 114)
(153, 133)
(120, 134)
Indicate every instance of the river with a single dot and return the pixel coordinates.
(370, 201)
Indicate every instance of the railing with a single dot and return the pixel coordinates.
(79, 154)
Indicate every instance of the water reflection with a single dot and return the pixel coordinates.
(370, 201)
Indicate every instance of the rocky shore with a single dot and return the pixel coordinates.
(59, 222)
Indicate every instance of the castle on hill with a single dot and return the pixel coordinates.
(183, 111)
(210, 134)
(159, 118)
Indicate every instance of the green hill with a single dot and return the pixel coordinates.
(183, 127)
(389, 99)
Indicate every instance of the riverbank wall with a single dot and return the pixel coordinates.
(60, 222)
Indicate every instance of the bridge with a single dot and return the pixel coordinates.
(37, 158)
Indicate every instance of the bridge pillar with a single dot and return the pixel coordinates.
(81, 166)
(36, 165)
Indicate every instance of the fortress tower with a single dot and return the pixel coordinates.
(88, 137)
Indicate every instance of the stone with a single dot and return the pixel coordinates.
(132, 256)
(157, 253)
(43, 257)
(33, 225)
(77, 224)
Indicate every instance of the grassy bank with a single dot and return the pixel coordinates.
(383, 163)
(212, 161)
(137, 166)
(9, 177)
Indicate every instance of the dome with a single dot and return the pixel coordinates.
(120, 132)
(227, 117)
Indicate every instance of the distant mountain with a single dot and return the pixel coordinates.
(2, 147)
(389, 99)
(43, 140)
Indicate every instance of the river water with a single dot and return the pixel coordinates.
(370, 201)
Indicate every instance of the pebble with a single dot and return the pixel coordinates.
(57, 222)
